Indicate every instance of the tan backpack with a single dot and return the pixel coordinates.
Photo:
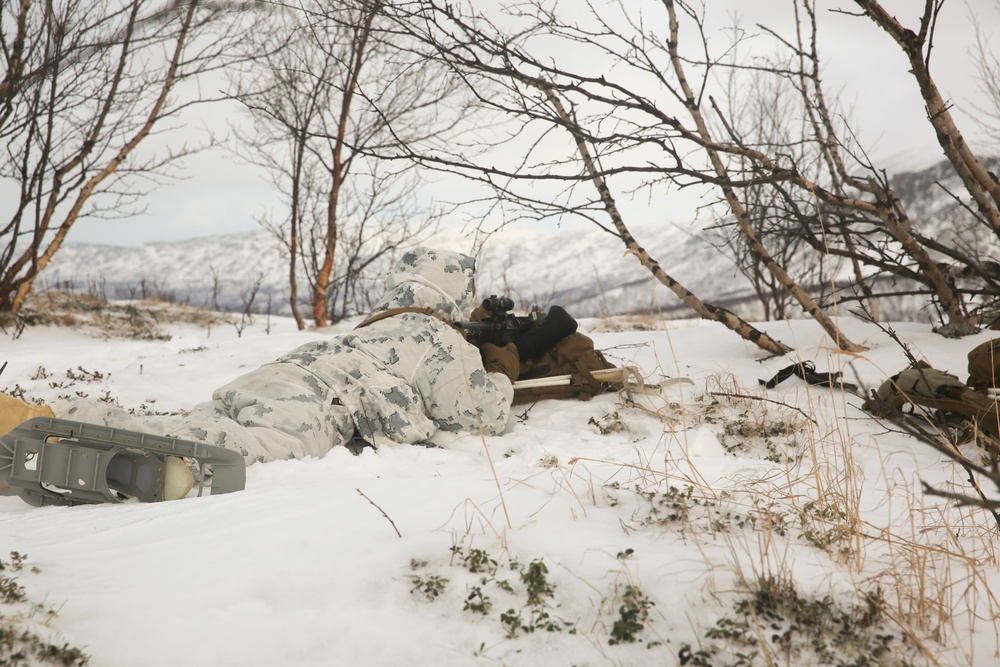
(937, 391)
(575, 356)
(984, 364)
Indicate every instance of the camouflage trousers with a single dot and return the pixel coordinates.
(279, 411)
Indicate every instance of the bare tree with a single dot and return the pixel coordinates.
(765, 110)
(918, 45)
(326, 90)
(727, 183)
(287, 101)
(706, 311)
(864, 220)
(637, 86)
(85, 84)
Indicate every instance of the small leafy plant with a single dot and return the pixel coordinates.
(775, 624)
(539, 590)
(477, 601)
(608, 424)
(19, 645)
(633, 614)
(532, 582)
(430, 587)
(475, 561)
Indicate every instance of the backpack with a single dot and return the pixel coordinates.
(939, 391)
(575, 356)
(984, 364)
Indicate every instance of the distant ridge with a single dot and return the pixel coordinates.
(584, 270)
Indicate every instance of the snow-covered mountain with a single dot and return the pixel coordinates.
(585, 270)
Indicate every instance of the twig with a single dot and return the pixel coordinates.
(398, 534)
(521, 418)
(960, 499)
(759, 398)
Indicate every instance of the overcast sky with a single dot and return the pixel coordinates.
(221, 196)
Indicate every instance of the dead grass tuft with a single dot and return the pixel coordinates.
(137, 320)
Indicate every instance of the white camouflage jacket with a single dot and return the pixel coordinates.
(398, 380)
(406, 376)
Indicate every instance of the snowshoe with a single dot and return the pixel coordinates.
(49, 461)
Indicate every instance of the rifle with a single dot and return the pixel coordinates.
(501, 326)
(532, 334)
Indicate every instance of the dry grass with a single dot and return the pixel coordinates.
(139, 320)
(632, 322)
(911, 582)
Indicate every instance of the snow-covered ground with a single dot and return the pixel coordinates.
(719, 517)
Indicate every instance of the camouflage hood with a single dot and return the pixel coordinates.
(426, 278)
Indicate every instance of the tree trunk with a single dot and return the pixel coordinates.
(810, 306)
(41, 261)
(323, 276)
(705, 311)
(293, 231)
(976, 178)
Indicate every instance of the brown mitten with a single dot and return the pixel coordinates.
(479, 314)
(501, 359)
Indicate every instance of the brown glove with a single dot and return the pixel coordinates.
(478, 314)
(501, 359)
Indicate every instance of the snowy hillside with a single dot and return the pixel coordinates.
(583, 269)
(717, 524)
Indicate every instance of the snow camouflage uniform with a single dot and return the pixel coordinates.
(397, 380)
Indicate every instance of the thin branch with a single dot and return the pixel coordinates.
(765, 400)
(375, 505)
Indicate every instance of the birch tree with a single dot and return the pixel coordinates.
(85, 84)
(328, 89)
(635, 87)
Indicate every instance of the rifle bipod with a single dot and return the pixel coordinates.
(63, 462)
